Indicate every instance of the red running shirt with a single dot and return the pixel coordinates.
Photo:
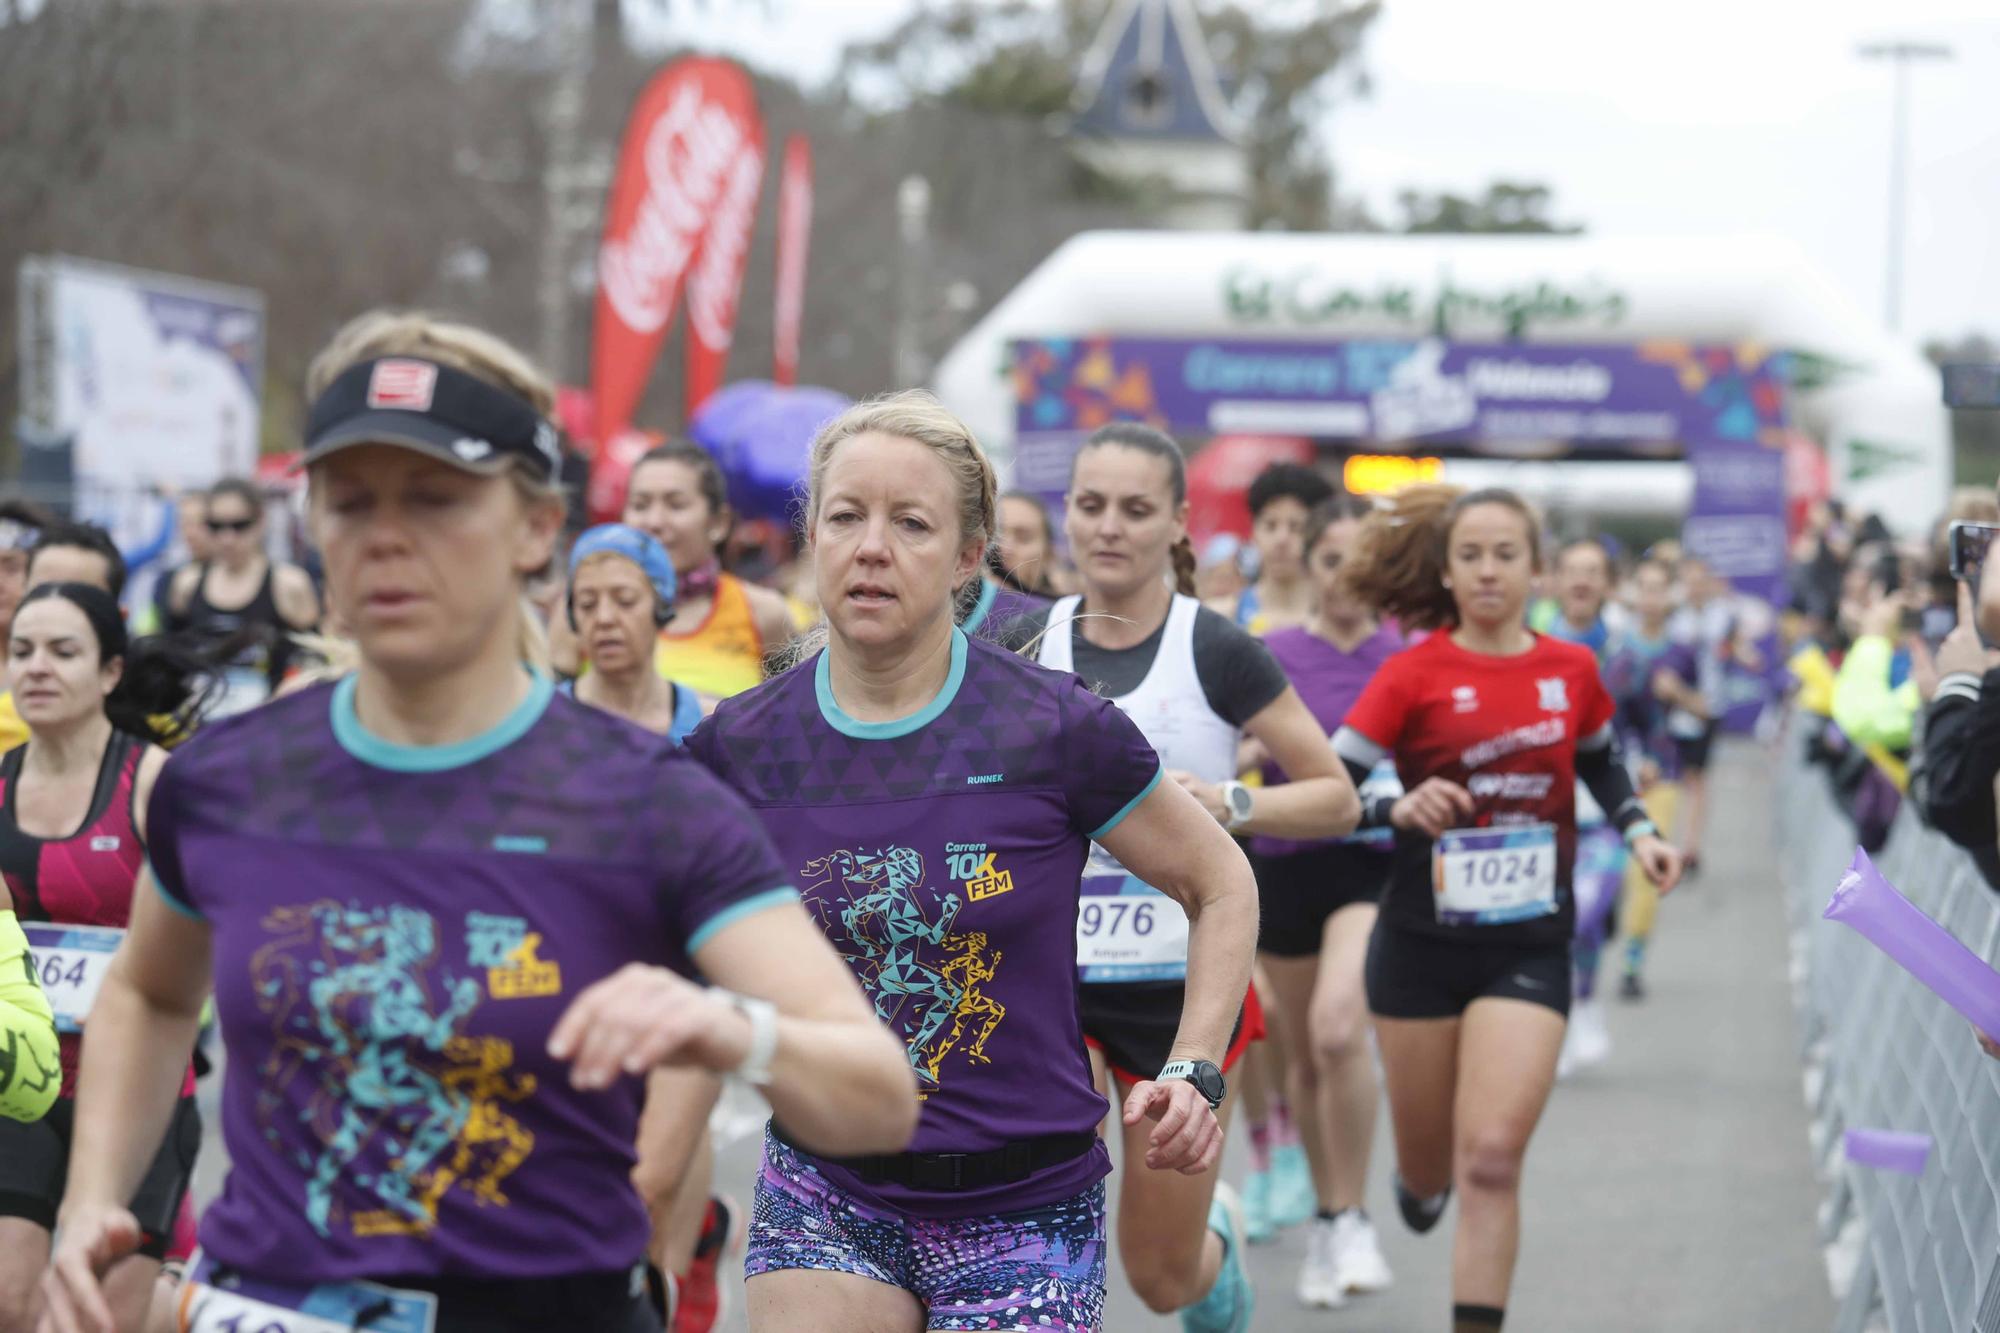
(1504, 728)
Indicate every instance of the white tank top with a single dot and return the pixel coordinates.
(1169, 705)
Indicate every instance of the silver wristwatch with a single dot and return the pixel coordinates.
(1237, 799)
(755, 1068)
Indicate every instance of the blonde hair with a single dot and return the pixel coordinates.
(339, 656)
(918, 416)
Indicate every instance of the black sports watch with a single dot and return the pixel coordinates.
(1207, 1079)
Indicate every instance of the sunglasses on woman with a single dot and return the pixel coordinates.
(218, 526)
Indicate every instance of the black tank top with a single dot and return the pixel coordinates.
(253, 639)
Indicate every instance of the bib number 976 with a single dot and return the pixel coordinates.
(1114, 916)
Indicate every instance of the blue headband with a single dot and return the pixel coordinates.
(642, 549)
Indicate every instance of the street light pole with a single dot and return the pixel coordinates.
(1900, 54)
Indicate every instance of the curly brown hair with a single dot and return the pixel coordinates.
(1397, 565)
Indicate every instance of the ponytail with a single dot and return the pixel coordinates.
(1184, 567)
(1397, 564)
(163, 692)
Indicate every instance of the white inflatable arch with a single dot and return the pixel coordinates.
(1871, 400)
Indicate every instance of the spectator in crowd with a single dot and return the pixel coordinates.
(1961, 758)
(21, 525)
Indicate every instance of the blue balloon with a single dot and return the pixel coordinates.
(761, 435)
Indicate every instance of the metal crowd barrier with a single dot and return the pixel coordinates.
(1882, 1052)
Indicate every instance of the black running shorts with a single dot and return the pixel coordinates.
(1693, 752)
(34, 1163)
(1133, 1025)
(1299, 892)
(1411, 974)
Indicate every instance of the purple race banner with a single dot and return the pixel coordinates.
(1650, 399)
(1722, 408)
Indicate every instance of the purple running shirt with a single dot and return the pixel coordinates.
(396, 931)
(1329, 681)
(941, 853)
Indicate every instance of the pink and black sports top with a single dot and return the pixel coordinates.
(86, 878)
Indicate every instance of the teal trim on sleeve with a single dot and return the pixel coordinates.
(369, 748)
(846, 725)
(736, 911)
(1130, 806)
(167, 896)
(981, 608)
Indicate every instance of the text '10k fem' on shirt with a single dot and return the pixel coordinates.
(941, 854)
(396, 932)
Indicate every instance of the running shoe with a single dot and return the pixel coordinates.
(1293, 1198)
(1257, 1228)
(1230, 1302)
(1421, 1214)
(1593, 1038)
(1319, 1276)
(703, 1299)
(1633, 987)
(1357, 1253)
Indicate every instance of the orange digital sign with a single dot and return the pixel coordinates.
(1375, 474)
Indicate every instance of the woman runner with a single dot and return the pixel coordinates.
(72, 829)
(724, 628)
(1633, 672)
(1319, 901)
(1024, 549)
(240, 605)
(1195, 685)
(31, 1070)
(1281, 500)
(1280, 1190)
(621, 594)
(451, 916)
(1468, 970)
(1584, 574)
(937, 796)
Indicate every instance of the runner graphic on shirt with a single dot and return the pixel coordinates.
(353, 993)
(918, 975)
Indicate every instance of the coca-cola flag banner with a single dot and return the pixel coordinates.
(795, 206)
(686, 135)
(716, 283)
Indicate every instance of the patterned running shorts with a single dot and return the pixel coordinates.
(1041, 1269)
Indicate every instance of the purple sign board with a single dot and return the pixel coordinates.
(1721, 408)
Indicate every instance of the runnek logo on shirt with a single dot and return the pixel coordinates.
(981, 779)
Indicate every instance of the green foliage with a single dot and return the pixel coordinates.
(1506, 207)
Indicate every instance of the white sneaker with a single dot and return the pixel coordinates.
(1593, 1038)
(1357, 1255)
(1319, 1277)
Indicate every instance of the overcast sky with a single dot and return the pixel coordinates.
(1701, 117)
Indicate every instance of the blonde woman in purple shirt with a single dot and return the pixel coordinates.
(451, 919)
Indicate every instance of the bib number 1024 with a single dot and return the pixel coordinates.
(1489, 877)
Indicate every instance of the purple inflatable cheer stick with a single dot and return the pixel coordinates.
(1889, 1149)
(1923, 948)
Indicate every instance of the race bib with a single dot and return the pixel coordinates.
(1486, 877)
(70, 962)
(244, 1305)
(1126, 930)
